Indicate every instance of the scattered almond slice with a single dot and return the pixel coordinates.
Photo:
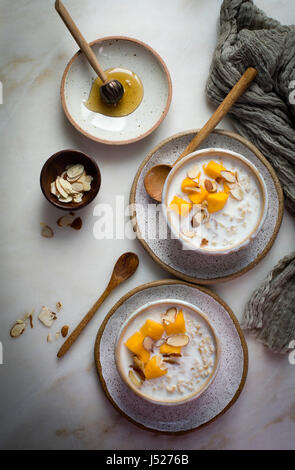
(169, 316)
(228, 176)
(49, 338)
(193, 172)
(46, 231)
(171, 361)
(75, 171)
(188, 233)
(18, 329)
(237, 192)
(57, 335)
(177, 340)
(65, 221)
(59, 306)
(60, 188)
(138, 363)
(46, 316)
(148, 343)
(64, 331)
(78, 187)
(159, 343)
(210, 186)
(135, 379)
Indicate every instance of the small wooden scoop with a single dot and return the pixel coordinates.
(111, 91)
(155, 178)
(124, 268)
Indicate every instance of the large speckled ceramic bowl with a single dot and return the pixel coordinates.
(223, 391)
(148, 311)
(130, 54)
(195, 158)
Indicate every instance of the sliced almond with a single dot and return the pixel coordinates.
(197, 219)
(171, 361)
(135, 379)
(65, 221)
(47, 231)
(67, 187)
(53, 189)
(65, 199)
(86, 186)
(159, 343)
(46, 316)
(138, 363)
(210, 186)
(177, 340)
(169, 316)
(57, 335)
(78, 187)
(228, 176)
(75, 171)
(188, 233)
(17, 329)
(88, 178)
(172, 355)
(159, 362)
(78, 197)
(64, 331)
(60, 188)
(193, 172)
(148, 343)
(237, 192)
(59, 306)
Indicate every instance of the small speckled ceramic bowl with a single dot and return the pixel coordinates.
(130, 54)
(122, 354)
(214, 153)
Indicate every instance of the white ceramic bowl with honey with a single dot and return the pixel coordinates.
(215, 231)
(188, 373)
(142, 62)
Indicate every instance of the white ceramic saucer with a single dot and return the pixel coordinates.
(216, 399)
(190, 265)
(133, 55)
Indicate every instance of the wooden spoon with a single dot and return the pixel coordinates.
(124, 268)
(111, 91)
(155, 177)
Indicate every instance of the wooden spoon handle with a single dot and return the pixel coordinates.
(220, 112)
(77, 331)
(80, 40)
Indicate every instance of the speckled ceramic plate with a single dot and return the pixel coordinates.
(187, 264)
(131, 54)
(222, 392)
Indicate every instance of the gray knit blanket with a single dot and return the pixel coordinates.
(265, 114)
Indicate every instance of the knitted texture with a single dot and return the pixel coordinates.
(265, 113)
(270, 313)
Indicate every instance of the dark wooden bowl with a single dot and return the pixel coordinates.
(54, 167)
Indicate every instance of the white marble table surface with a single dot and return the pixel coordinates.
(60, 405)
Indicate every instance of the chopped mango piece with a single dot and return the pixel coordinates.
(214, 169)
(181, 206)
(134, 344)
(152, 329)
(153, 368)
(188, 183)
(217, 201)
(197, 198)
(167, 349)
(178, 326)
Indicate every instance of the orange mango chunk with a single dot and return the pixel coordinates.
(197, 198)
(153, 369)
(152, 329)
(180, 206)
(213, 169)
(226, 187)
(188, 183)
(217, 201)
(178, 326)
(134, 344)
(167, 349)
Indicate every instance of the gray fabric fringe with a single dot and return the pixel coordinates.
(270, 313)
(264, 114)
